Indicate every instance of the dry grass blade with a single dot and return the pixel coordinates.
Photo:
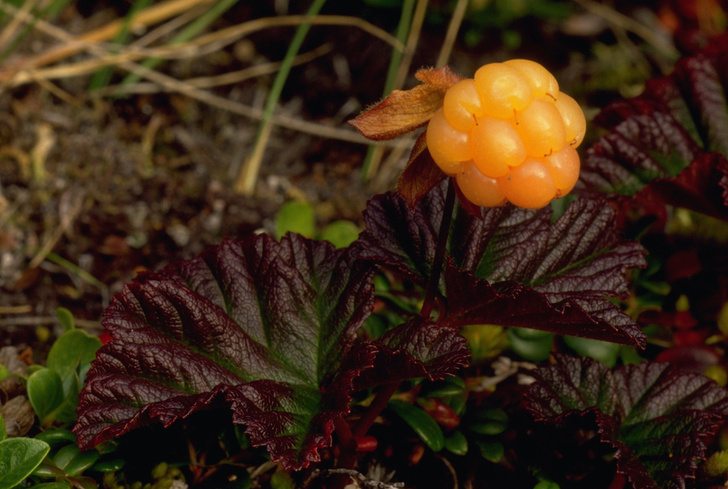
(89, 66)
(452, 32)
(229, 78)
(73, 45)
(173, 85)
(9, 32)
(399, 150)
(616, 18)
(206, 44)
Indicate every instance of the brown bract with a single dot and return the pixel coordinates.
(406, 110)
(420, 175)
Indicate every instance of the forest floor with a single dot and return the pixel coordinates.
(101, 181)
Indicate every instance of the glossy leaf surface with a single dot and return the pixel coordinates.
(514, 267)
(258, 325)
(669, 145)
(659, 419)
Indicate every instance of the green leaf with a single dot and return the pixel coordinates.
(4, 372)
(601, 351)
(421, 422)
(340, 233)
(281, 480)
(72, 461)
(70, 357)
(296, 217)
(531, 344)
(18, 458)
(65, 317)
(111, 465)
(456, 443)
(488, 422)
(491, 450)
(52, 485)
(3, 433)
(71, 353)
(54, 436)
(546, 485)
(45, 392)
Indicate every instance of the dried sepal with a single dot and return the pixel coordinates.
(406, 110)
(420, 175)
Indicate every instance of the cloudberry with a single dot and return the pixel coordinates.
(508, 134)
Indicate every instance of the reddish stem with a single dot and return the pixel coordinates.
(347, 436)
(439, 260)
(375, 408)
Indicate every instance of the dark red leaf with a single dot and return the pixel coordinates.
(260, 325)
(513, 267)
(417, 348)
(669, 145)
(659, 419)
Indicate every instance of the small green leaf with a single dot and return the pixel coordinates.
(601, 351)
(54, 436)
(531, 344)
(112, 465)
(64, 456)
(340, 233)
(546, 485)
(489, 422)
(449, 386)
(52, 485)
(3, 433)
(485, 341)
(491, 450)
(48, 470)
(4, 372)
(81, 462)
(296, 217)
(456, 443)
(18, 458)
(73, 352)
(65, 317)
(281, 480)
(716, 464)
(45, 392)
(421, 422)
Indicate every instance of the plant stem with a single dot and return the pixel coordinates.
(375, 408)
(348, 437)
(439, 260)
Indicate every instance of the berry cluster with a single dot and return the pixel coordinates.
(509, 134)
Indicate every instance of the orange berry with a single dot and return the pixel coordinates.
(462, 105)
(495, 147)
(564, 167)
(542, 81)
(573, 117)
(477, 188)
(503, 90)
(541, 128)
(529, 185)
(447, 146)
